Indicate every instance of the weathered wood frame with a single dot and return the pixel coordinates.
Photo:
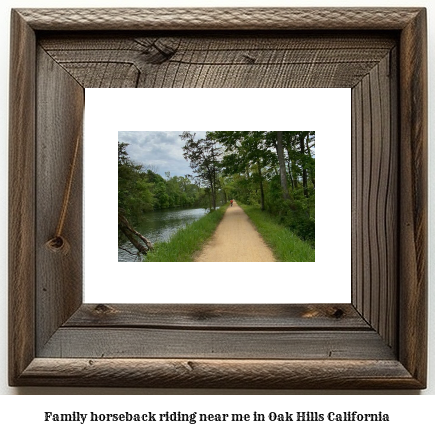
(377, 341)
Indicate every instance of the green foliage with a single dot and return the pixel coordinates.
(251, 158)
(186, 242)
(287, 246)
(134, 195)
(204, 159)
(301, 225)
(297, 215)
(141, 191)
(270, 169)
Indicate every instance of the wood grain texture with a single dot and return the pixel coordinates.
(21, 197)
(375, 198)
(236, 60)
(60, 105)
(413, 188)
(379, 342)
(240, 374)
(220, 317)
(390, 120)
(220, 18)
(127, 342)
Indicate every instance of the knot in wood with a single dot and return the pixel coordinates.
(58, 244)
(158, 52)
(338, 313)
(103, 309)
(249, 59)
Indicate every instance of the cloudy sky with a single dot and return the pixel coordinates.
(158, 150)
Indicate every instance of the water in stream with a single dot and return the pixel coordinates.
(160, 225)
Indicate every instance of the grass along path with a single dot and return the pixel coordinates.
(286, 246)
(187, 241)
(235, 240)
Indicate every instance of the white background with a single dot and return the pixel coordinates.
(411, 413)
(325, 111)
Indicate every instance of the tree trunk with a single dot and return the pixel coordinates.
(125, 227)
(304, 170)
(282, 172)
(293, 165)
(289, 167)
(214, 189)
(213, 177)
(312, 170)
(210, 198)
(261, 185)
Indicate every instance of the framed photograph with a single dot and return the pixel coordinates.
(157, 158)
(377, 341)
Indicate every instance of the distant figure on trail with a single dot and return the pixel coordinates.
(231, 202)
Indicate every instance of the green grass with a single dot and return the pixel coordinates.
(187, 241)
(286, 246)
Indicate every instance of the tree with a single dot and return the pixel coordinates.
(142, 244)
(309, 147)
(134, 197)
(264, 164)
(282, 172)
(302, 137)
(203, 156)
(134, 191)
(246, 151)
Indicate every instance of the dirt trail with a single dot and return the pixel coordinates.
(235, 240)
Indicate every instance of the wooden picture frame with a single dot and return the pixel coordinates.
(377, 341)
